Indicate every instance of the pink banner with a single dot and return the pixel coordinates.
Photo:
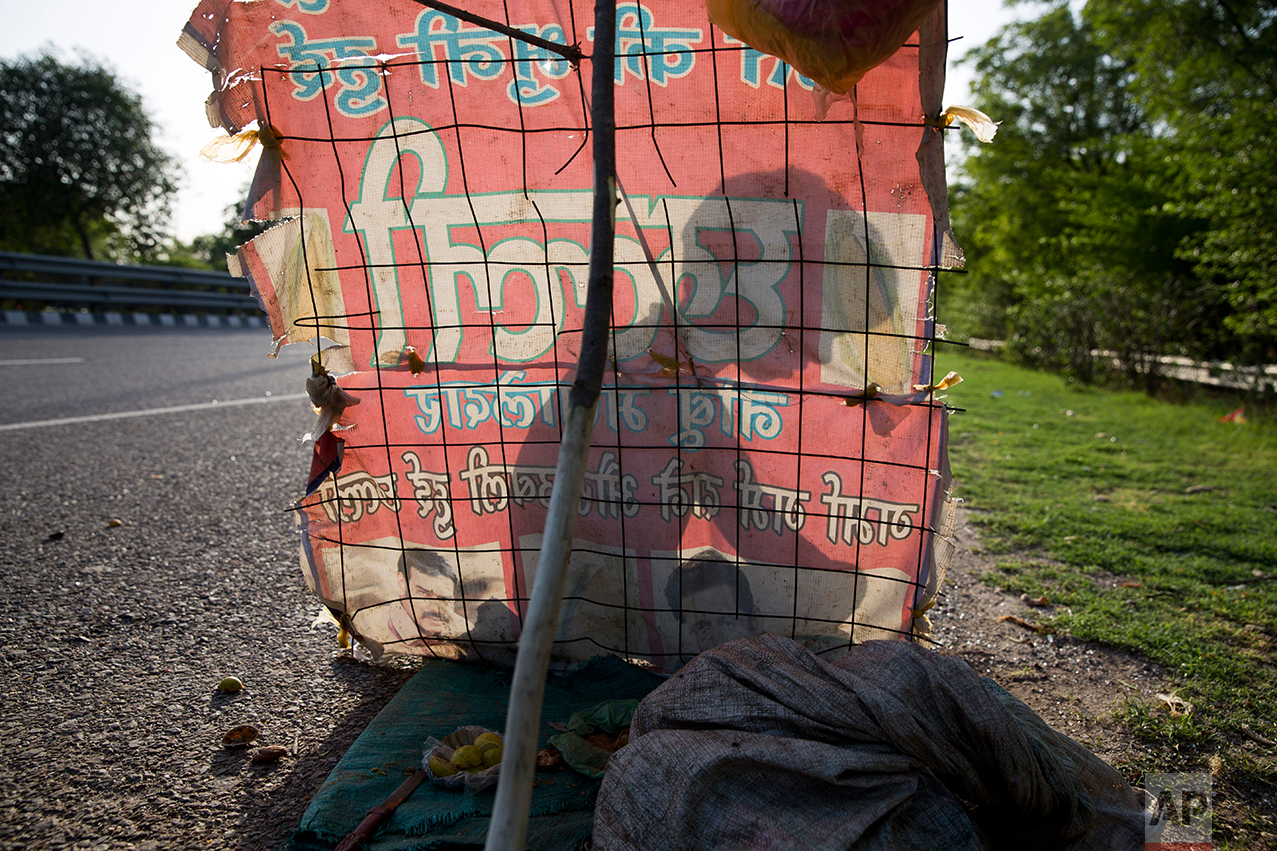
(770, 266)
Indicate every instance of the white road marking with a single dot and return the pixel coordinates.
(176, 409)
(39, 361)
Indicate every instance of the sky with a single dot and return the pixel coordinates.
(138, 39)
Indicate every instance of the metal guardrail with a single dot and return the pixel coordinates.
(79, 283)
(1258, 378)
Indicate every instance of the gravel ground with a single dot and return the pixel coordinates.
(1076, 686)
(1073, 685)
(113, 637)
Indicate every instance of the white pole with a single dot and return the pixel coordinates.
(509, 826)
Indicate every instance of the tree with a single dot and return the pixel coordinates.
(79, 170)
(1069, 217)
(212, 248)
(1206, 70)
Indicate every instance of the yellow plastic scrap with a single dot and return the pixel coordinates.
(670, 367)
(328, 616)
(943, 384)
(233, 149)
(921, 622)
(871, 391)
(834, 42)
(1176, 706)
(984, 127)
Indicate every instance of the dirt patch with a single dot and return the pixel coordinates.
(1076, 686)
(1073, 685)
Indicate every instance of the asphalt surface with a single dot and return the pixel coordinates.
(144, 557)
(114, 635)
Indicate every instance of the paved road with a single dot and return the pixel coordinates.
(112, 637)
(69, 372)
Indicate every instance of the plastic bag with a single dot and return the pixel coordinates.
(833, 42)
(470, 781)
(610, 717)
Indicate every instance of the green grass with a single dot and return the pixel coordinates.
(1088, 500)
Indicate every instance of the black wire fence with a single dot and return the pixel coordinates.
(769, 452)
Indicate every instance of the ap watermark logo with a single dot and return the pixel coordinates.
(1177, 814)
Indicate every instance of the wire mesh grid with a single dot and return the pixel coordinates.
(768, 452)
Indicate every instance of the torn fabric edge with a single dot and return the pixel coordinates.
(291, 270)
(933, 48)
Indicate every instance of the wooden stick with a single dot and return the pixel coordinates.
(509, 826)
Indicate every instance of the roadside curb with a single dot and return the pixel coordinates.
(58, 318)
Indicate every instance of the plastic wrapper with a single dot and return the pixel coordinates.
(233, 149)
(832, 42)
(469, 781)
(984, 127)
(328, 397)
(609, 717)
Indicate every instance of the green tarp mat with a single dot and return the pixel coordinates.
(437, 700)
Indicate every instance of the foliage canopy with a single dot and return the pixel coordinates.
(1125, 205)
(212, 249)
(79, 170)
(1207, 70)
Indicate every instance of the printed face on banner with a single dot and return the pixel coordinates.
(436, 181)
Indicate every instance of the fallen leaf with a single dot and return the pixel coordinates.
(238, 737)
(549, 759)
(114, 522)
(1019, 621)
(1036, 602)
(269, 753)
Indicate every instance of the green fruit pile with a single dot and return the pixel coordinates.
(484, 753)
